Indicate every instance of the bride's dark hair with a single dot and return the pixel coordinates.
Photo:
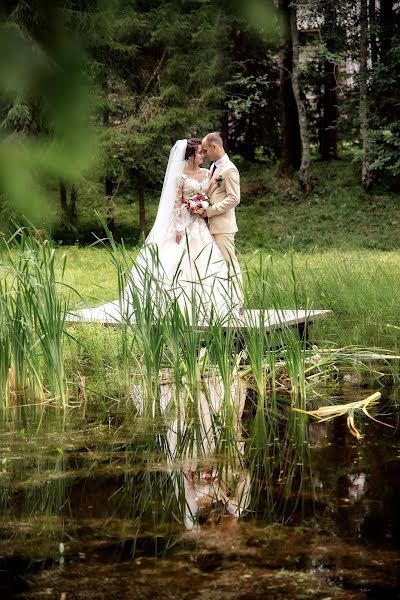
(191, 148)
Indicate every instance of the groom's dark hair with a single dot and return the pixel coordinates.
(191, 148)
(214, 138)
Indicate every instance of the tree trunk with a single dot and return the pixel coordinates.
(142, 219)
(225, 130)
(304, 135)
(110, 205)
(373, 32)
(328, 131)
(291, 143)
(63, 199)
(366, 179)
(109, 185)
(72, 210)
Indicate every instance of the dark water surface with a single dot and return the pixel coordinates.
(98, 508)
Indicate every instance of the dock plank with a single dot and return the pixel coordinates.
(249, 319)
(280, 319)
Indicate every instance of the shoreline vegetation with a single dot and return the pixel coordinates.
(46, 359)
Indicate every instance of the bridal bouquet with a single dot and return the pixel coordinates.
(197, 203)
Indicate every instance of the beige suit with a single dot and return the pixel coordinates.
(224, 194)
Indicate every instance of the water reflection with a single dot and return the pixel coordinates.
(133, 484)
(206, 438)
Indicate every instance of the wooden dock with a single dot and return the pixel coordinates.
(280, 319)
(249, 319)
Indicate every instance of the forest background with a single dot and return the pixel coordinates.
(306, 94)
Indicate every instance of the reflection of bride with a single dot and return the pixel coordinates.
(210, 482)
(180, 259)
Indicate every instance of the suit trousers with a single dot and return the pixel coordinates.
(226, 245)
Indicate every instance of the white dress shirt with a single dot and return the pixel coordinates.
(220, 162)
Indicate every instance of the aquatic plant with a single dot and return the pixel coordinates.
(33, 317)
(325, 413)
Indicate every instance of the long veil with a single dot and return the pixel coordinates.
(147, 274)
(164, 216)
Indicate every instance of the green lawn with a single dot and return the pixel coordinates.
(336, 214)
(359, 286)
(273, 214)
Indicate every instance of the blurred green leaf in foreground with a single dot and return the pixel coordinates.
(46, 133)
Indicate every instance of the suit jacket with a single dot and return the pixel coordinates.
(223, 197)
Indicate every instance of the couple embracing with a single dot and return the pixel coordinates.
(221, 184)
(195, 227)
(189, 255)
(202, 223)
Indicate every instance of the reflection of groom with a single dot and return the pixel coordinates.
(223, 194)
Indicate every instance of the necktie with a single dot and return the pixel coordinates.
(213, 169)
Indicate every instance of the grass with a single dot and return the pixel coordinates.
(327, 251)
(337, 214)
(359, 286)
(32, 321)
(272, 215)
(344, 242)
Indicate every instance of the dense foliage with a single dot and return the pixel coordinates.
(94, 92)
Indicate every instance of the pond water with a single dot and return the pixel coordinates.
(122, 505)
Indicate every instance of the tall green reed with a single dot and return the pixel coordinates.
(33, 319)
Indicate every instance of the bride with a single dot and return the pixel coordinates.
(179, 261)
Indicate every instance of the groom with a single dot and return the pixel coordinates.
(223, 194)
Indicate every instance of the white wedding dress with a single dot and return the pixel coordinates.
(192, 274)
